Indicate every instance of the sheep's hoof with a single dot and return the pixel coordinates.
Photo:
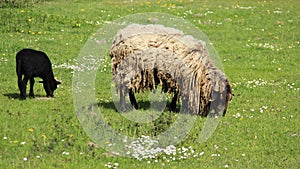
(123, 109)
(172, 109)
(135, 106)
(127, 109)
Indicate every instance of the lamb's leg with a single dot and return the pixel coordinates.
(47, 89)
(132, 99)
(31, 94)
(22, 86)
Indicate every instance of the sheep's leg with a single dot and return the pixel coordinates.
(172, 106)
(184, 104)
(31, 94)
(122, 99)
(132, 99)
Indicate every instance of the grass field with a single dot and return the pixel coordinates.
(257, 41)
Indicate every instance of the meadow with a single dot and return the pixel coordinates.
(258, 43)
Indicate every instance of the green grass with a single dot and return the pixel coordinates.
(258, 43)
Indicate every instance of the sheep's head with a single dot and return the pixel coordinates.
(220, 96)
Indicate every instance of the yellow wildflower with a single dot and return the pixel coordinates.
(31, 130)
(44, 136)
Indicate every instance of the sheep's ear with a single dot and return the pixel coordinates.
(58, 82)
(213, 96)
(41, 81)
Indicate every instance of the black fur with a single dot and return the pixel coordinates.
(32, 63)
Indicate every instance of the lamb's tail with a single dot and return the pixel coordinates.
(18, 68)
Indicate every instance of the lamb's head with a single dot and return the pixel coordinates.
(53, 84)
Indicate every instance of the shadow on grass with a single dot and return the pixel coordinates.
(112, 105)
(12, 95)
(143, 105)
(17, 96)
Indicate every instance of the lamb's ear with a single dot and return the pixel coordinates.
(58, 82)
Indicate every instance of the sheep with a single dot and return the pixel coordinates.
(184, 61)
(32, 63)
(145, 73)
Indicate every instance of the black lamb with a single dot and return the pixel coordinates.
(32, 63)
